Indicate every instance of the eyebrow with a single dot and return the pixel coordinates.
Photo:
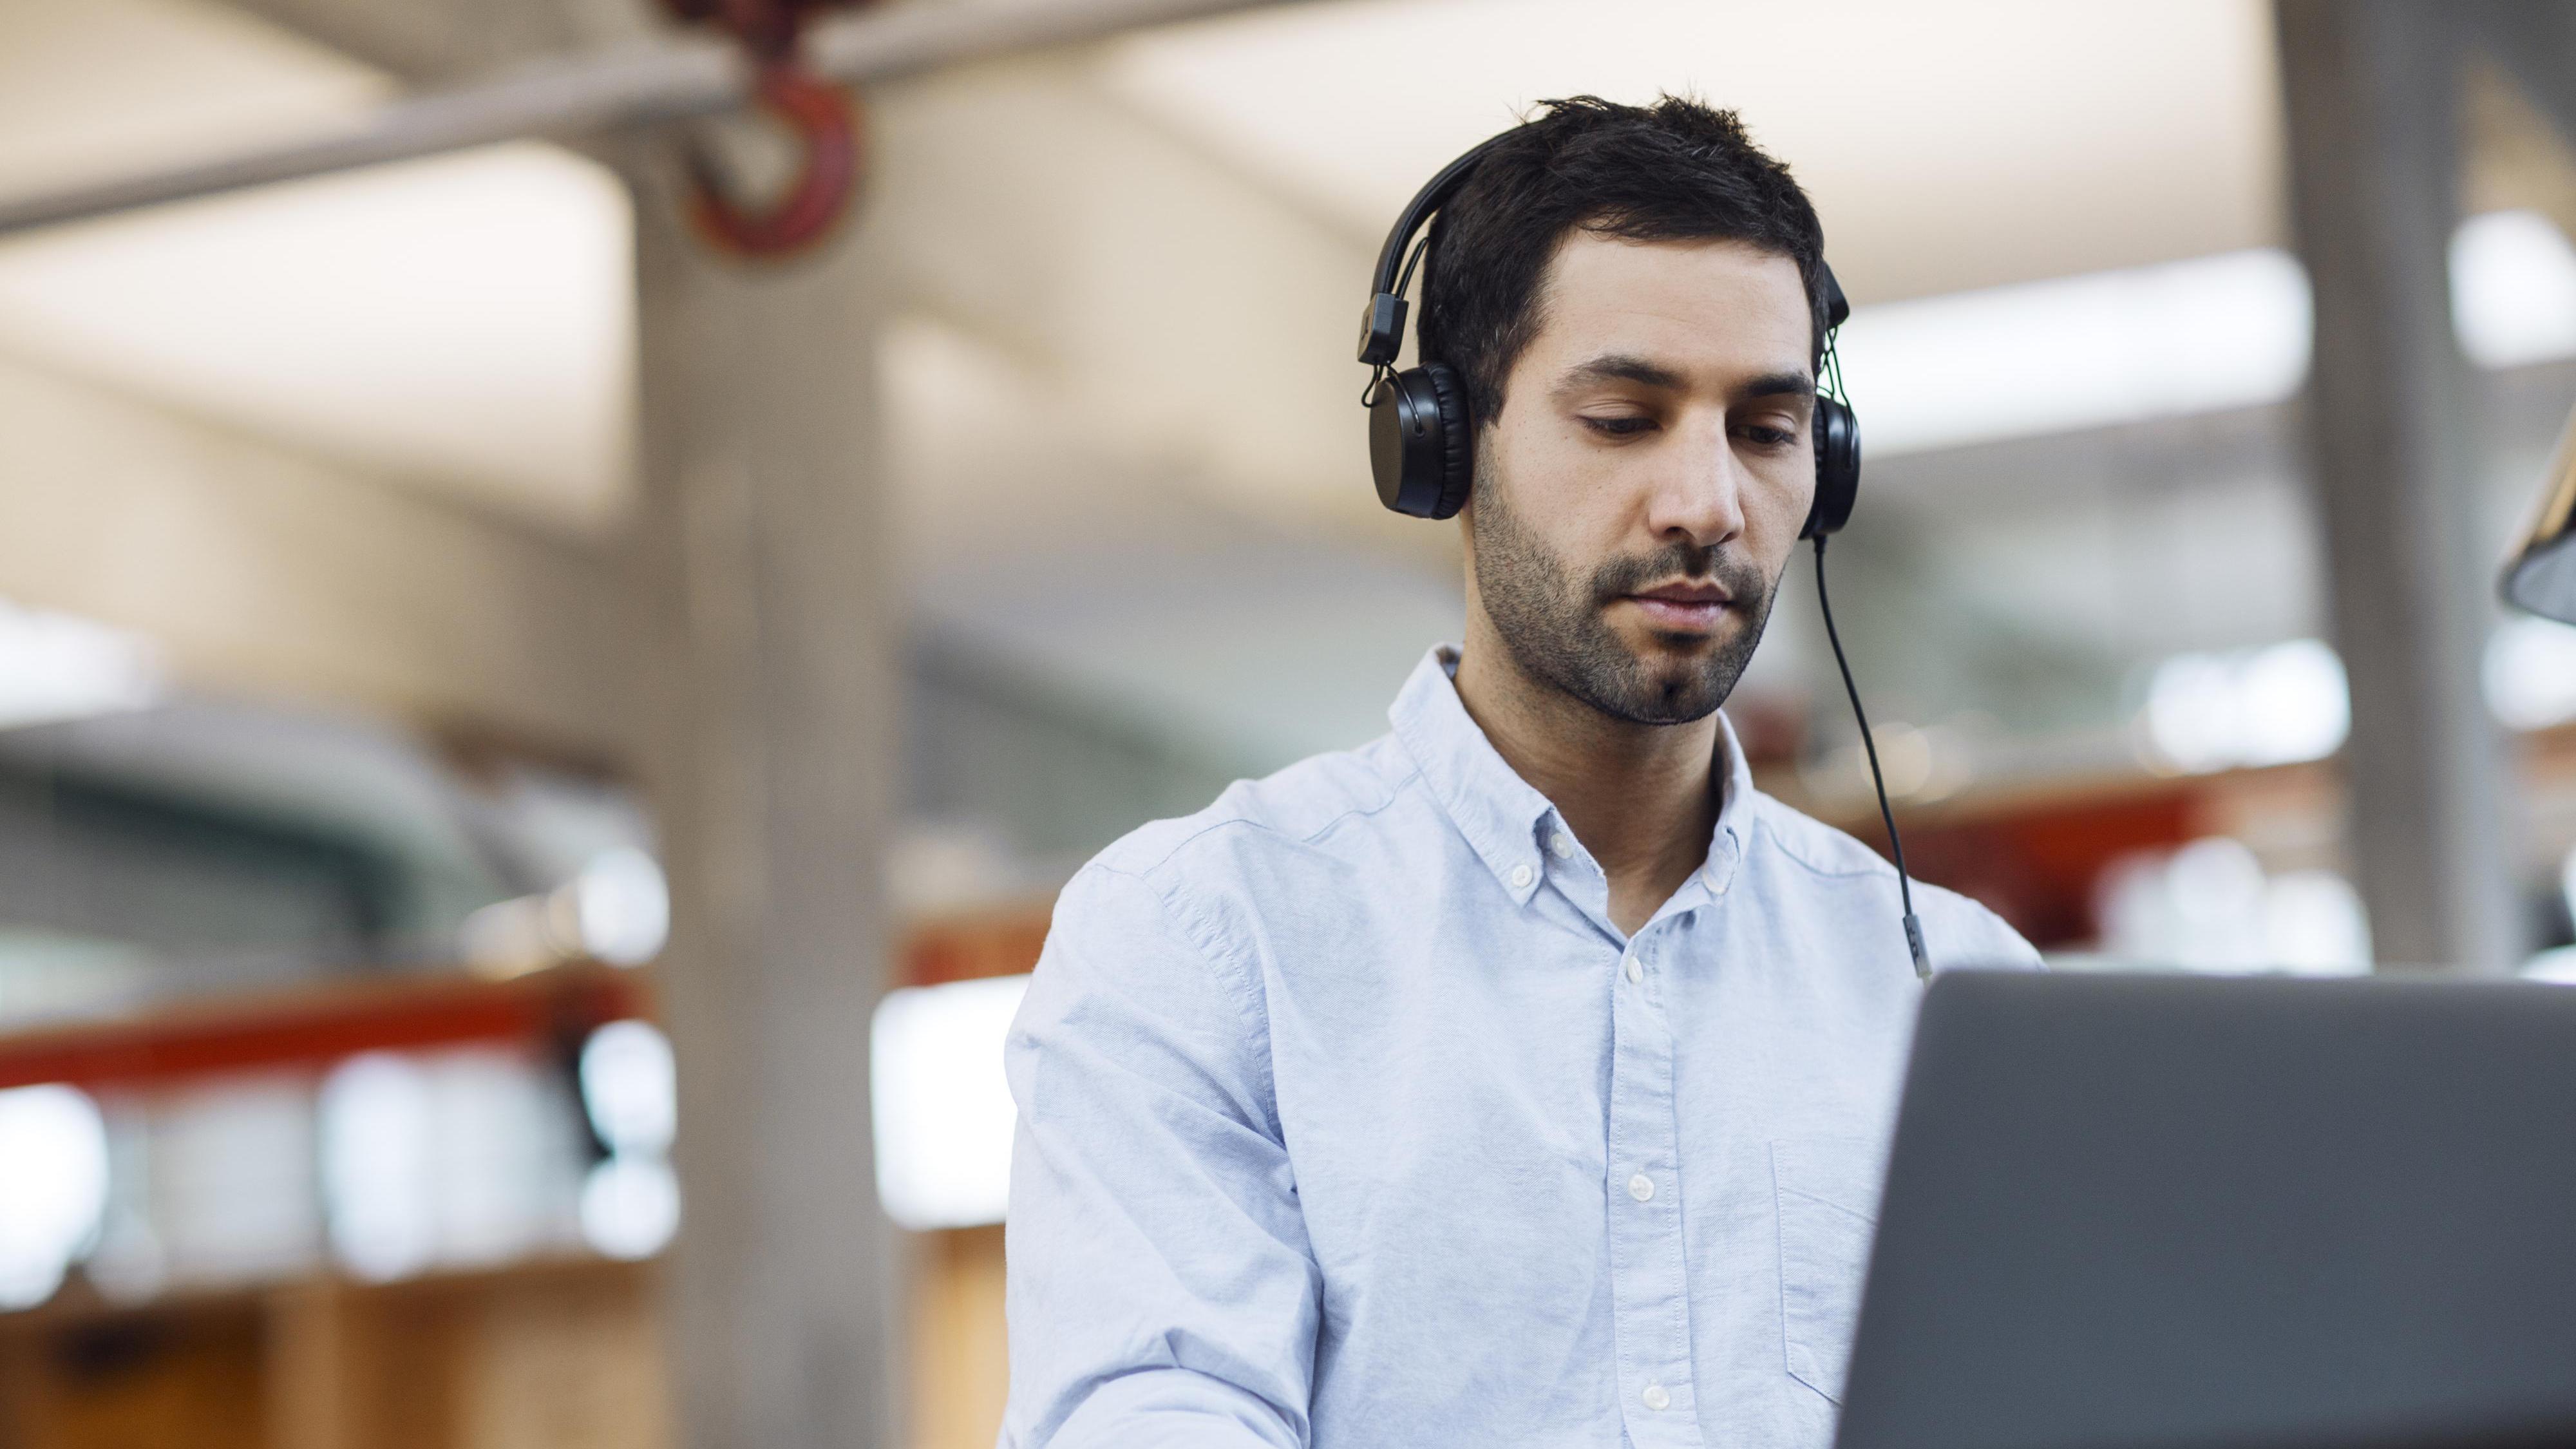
(1779, 384)
(1619, 367)
(1622, 367)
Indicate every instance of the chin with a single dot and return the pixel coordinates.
(1678, 677)
(1675, 666)
(1690, 648)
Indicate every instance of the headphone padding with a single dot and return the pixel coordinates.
(1407, 443)
(1457, 439)
(1837, 468)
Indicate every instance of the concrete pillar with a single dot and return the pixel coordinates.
(2371, 90)
(770, 616)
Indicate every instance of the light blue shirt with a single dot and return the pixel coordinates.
(1348, 1118)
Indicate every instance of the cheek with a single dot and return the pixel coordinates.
(1540, 453)
(1565, 486)
(1777, 497)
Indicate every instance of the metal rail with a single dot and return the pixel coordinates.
(630, 85)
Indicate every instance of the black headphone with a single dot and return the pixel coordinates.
(1422, 439)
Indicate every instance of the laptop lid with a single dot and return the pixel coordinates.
(2163, 1211)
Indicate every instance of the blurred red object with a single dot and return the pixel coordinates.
(819, 113)
(315, 1027)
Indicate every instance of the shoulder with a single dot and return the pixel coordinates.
(1963, 931)
(1293, 810)
(1810, 843)
(1168, 918)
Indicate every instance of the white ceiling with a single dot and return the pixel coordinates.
(465, 322)
(468, 323)
(104, 85)
(1952, 145)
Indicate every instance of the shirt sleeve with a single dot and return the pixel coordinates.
(1969, 934)
(1161, 1289)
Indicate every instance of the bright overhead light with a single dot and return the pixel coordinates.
(2209, 906)
(630, 1206)
(60, 666)
(54, 1146)
(2530, 672)
(941, 1106)
(2513, 289)
(2250, 707)
(2197, 336)
(622, 906)
(2078, 352)
(377, 1126)
(629, 1087)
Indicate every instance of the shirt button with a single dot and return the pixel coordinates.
(1641, 1187)
(1520, 877)
(1635, 971)
(1559, 846)
(1656, 1398)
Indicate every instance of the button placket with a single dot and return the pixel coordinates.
(1649, 1285)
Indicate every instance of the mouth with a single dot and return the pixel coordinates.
(1684, 606)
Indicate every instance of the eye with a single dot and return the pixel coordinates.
(1620, 427)
(1768, 437)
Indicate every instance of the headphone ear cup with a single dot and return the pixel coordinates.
(1457, 439)
(1418, 442)
(1837, 468)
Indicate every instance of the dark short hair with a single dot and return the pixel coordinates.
(1673, 171)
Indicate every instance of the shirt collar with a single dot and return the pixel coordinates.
(1499, 813)
(1734, 812)
(1497, 810)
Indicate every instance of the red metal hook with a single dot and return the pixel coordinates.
(821, 114)
(826, 126)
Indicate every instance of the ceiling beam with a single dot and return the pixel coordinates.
(634, 83)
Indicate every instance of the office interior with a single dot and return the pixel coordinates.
(536, 748)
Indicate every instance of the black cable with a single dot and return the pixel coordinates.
(1411, 262)
(1385, 370)
(1878, 782)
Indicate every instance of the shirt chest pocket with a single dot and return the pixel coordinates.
(1825, 1192)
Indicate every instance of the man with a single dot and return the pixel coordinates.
(1520, 1078)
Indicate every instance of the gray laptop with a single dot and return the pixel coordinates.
(2149, 1212)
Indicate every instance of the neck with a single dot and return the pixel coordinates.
(1641, 798)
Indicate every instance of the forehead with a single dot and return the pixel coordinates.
(1723, 304)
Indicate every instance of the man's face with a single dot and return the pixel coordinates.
(1641, 488)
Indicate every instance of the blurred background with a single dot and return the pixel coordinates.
(536, 748)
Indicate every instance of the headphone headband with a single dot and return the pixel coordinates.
(1837, 306)
(1382, 327)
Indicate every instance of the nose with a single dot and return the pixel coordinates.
(1698, 491)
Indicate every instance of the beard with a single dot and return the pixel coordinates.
(1558, 630)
